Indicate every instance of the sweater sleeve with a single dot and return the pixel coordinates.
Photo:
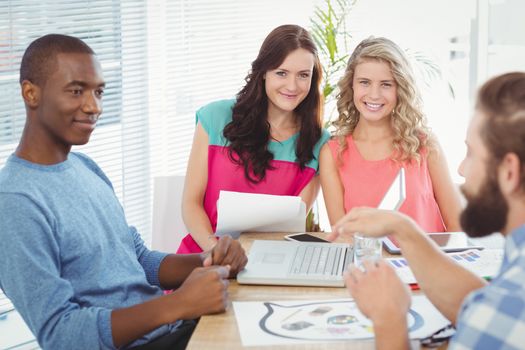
(30, 275)
(149, 260)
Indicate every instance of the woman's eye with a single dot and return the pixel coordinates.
(280, 73)
(305, 75)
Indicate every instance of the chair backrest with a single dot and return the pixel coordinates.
(168, 227)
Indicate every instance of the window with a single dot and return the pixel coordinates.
(470, 41)
(201, 51)
(162, 60)
(117, 32)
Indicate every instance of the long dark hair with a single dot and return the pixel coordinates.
(249, 130)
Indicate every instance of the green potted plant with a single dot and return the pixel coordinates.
(328, 29)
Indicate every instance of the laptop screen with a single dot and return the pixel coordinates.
(396, 193)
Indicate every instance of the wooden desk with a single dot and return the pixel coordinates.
(221, 332)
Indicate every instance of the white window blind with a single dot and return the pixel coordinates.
(162, 60)
(116, 31)
(201, 51)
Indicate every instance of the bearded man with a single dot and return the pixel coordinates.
(486, 315)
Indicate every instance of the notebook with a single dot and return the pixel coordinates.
(308, 263)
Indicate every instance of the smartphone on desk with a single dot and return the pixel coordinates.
(304, 237)
(446, 241)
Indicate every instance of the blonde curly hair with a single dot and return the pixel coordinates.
(408, 122)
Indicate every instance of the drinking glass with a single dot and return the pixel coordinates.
(366, 248)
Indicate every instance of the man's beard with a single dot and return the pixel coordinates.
(485, 212)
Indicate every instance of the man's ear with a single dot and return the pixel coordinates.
(510, 174)
(31, 94)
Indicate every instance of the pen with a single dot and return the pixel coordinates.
(414, 286)
(292, 314)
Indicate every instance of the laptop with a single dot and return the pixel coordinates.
(309, 263)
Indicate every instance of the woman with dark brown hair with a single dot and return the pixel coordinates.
(266, 141)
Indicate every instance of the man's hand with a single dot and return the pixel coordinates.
(205, 291)
(384, 299)
(370, 222)
(227, 251)
(368, 289)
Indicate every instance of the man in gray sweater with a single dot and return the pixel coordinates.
(79, 275)
(486, 315)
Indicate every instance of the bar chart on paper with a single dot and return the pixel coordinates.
(484, 263)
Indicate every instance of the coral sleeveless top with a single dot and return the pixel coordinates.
(285, 178)
(365, 182)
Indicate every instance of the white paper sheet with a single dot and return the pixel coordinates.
(299, 322)
(484, 263)
(241, 212)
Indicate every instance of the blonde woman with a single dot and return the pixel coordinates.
(381, 128)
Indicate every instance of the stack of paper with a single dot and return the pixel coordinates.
(484, 263)
(242, 212)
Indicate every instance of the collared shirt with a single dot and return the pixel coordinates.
(493, 317)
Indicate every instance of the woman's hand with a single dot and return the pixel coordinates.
(368, 290)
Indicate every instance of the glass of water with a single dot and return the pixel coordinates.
(366, 248)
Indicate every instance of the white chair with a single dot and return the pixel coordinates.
(168, 227)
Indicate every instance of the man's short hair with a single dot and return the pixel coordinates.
(39, 60)
(502, 101)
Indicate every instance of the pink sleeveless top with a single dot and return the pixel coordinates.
(365, 182)
(285, 177)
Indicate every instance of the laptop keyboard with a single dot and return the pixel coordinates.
(317, 260)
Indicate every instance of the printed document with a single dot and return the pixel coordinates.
(243, 212)
(318, 321)
(484, 263)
